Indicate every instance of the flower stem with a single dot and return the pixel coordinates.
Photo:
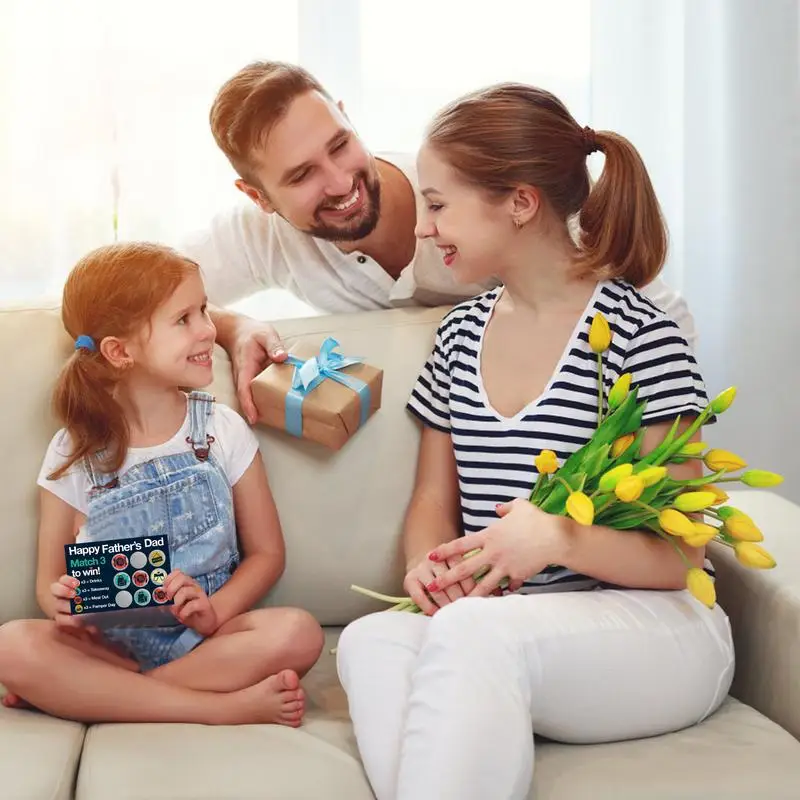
(569, 489)
(606, 506)
(599, 389)
(378, 596)
(646, 507)
(671, 540)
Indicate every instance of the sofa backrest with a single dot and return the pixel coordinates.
(341, 512)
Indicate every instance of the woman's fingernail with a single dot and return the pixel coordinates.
(433, 556)
(432, 587)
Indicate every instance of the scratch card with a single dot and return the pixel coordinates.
(125, 576)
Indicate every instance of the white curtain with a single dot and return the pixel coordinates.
(709, 90)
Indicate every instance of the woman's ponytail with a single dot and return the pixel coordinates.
(622, 231)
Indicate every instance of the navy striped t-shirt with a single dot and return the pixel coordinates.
(495, 454)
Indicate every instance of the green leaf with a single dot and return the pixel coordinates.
(664, 446)
(557, 497)
(597, 462)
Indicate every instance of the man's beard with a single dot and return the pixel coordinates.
(355, 229)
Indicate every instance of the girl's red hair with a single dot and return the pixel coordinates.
(112, 291)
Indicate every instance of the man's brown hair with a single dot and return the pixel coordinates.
(250, 103)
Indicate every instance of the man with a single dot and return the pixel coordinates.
(328, 221)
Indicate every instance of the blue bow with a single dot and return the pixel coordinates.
(310, 373)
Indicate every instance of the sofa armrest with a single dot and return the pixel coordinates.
(764, 609)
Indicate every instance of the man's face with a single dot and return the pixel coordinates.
(315, 172)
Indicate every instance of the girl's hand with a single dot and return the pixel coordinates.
(427, 571)
(192, 606)
(63, 590)
(519, 545)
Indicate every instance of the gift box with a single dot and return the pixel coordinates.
(318, 393)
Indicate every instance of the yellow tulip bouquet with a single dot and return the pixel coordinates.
(609, 482)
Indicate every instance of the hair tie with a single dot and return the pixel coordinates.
(589, 141)
(84, 342)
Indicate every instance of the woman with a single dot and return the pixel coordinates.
(596, 640)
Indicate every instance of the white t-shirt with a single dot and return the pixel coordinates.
(245, 250)
(234, 447)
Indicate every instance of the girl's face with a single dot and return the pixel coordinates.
(472, 233)
(176, 347)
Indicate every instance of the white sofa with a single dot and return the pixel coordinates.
(342, 515)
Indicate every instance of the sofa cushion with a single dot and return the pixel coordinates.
(39, 755)
(737, 753)
(262, 762)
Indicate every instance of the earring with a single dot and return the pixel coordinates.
(517, 223)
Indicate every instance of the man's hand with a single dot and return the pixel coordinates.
(254, 346)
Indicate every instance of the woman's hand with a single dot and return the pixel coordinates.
(192, 606)
(518, 546)
(424, 573)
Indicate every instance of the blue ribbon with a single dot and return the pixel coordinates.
(312, 372)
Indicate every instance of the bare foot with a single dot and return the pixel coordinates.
(277, 699)
(15, 701)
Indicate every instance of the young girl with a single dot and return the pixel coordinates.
(138, 456)
(597, 641)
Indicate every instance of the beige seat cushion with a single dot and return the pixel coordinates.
(38, 755)
(737, 754)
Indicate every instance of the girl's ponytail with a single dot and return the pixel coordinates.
(84, 402)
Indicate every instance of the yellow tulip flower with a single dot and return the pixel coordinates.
(728, 511)
(621, 445)
(652, 475)
(599, 334)
(629, 489)
(675, 523)
(580, 508)
(692, 449)
(694, 501)
(702, 536)
(610, 479)
(619, 391)
(701, 586)
(760, 478)
(716, 460)
(742, 528)
(722, 402)
(721, 495)
(546, 462)
(751, 555)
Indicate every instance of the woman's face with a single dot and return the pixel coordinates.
(472, 232)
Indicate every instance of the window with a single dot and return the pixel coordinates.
(104, 132)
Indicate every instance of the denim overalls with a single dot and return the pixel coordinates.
(186, 497)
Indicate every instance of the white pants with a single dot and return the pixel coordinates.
(445, 707)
